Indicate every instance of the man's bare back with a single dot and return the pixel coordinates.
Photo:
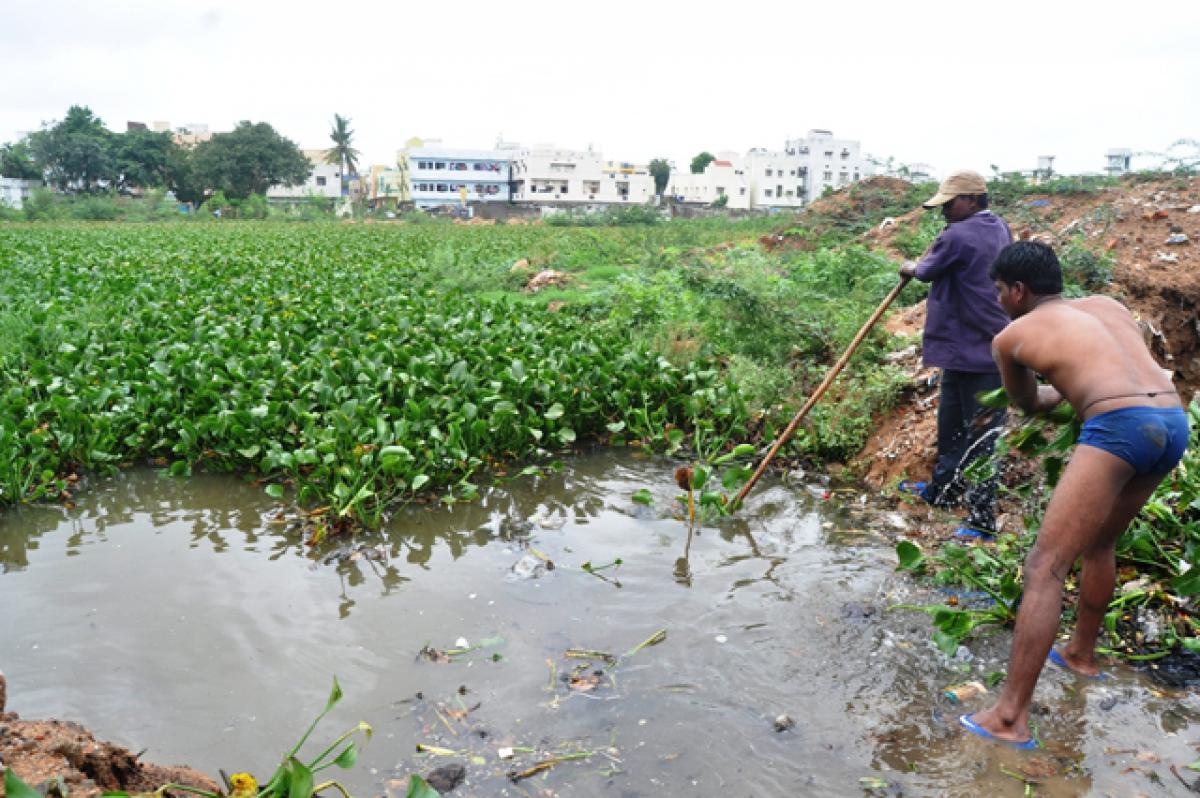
(1091, 350)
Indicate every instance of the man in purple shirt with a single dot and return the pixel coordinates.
(962, 317)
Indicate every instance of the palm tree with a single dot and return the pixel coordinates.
(342, 153)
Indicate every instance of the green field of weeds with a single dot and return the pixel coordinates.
(352, 367)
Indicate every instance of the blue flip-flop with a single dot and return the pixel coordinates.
(977, 534)
(968, 723)
(1058, 660)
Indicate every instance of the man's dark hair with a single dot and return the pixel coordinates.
(1029, 262)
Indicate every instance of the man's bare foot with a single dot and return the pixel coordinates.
(1015, 732)
(1080, 666)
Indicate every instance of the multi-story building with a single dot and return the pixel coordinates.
(723, 177)
(387, 186)
(325, 180)
(777, 179)
(1118, 162)
(549, 176)
(438, 176)
(828, 162)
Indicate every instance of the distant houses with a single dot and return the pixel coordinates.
(790, 177)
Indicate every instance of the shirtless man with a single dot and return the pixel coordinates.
(1091, 352)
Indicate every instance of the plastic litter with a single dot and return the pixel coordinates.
(960, 693)
(1177, 238)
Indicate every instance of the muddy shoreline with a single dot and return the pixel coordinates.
(61, 757)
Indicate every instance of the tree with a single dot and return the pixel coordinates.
(144, 158)
(660, 168)
(702, 160)
(248, 160)
(342, 153)
(77, 152)
(16, 161)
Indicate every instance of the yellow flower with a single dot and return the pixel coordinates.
(244, 785)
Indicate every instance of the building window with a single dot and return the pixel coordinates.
(767, 192)
(768, 173)
(321, 181)
(828, 175)
(778, 191)
(742, 191)
(799, 191)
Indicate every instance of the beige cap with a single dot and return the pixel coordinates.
(956, 185)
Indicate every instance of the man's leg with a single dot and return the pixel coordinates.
(982, 430)
(945, 485)
(1090, 490)
(1098, 577)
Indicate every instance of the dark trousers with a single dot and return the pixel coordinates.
(965, 432)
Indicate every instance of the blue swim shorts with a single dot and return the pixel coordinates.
(1151, 439)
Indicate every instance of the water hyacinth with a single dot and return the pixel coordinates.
(326, 362)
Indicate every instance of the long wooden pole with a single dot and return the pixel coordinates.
(830, 376)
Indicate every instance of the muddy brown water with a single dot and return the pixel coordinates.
(172, 615)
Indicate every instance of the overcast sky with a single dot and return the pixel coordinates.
(954, 85)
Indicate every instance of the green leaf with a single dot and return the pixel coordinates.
(555, 411)
(1187, 584)
(301, 785)
(946, 642)
(615, 427)
(335, 695)
(418, 788)
(419, 481)
(643, 496)
(15, 788)
(910, 556)
(1190, 643)
(275, 490)
(995, 399)
(700, 476)
(347, 758)
(258, 412)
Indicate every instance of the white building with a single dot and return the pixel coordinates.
(777, 179)
(14, 191)
(550, 176)
(1118, 162)
(723, 177)
(440, 175)
(828, 162)
(325, 180)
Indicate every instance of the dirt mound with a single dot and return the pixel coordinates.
(40, 752)
(843, 211)
(1159, 281)
(864, 198)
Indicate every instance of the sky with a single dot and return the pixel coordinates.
(950, 84)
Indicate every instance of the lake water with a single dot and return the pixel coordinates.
(177, 616)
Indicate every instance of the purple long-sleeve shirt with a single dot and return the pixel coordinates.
(962, 314)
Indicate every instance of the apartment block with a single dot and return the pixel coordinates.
(723, 177)
(828, 162)
(438, 175)
(551, 176)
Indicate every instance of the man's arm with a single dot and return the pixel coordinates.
(936, 260)
(1019, 381)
